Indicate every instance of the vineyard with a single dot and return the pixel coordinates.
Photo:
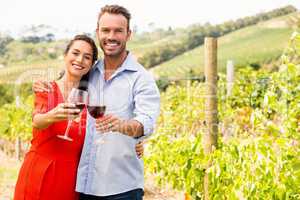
(257, 155)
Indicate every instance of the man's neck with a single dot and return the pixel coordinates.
(113, 63)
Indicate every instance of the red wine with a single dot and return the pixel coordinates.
(80, 106)
(96, 111)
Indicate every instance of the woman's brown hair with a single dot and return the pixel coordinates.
(84, 79)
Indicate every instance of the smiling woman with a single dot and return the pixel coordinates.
(49, 168)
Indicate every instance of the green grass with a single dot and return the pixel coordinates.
(140, 47)
(28, 72)
(260, 43)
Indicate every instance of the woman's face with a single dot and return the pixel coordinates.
(79, 58)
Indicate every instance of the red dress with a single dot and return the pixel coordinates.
(50, 167)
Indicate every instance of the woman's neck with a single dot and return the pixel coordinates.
(71, 81)
(66, 84)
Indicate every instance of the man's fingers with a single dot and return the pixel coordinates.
(45, 85)
(48, 85)
(139, 148)
(110, 121)
(41, 86)
(100, 129)
(104, 119)
(38, 88)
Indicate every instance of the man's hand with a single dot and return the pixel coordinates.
(109, 123)
(139, 148)
(41, 86)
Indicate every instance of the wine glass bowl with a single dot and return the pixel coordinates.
(96, 111)
(79, 98)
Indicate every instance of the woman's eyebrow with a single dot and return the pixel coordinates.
(84, 53)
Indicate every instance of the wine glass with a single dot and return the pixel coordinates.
(96, 110)
(79, 98)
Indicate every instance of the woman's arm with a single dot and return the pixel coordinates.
(61, 112)
(42, 121)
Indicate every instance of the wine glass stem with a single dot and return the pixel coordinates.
(79, 124)
(68, 128)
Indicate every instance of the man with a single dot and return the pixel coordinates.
(109, 168)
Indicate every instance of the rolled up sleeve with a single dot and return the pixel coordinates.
(146, 102)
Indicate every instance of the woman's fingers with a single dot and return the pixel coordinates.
(66, 111)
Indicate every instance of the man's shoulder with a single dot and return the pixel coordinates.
(143, 72)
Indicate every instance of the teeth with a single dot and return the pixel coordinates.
(112, 44)
(77, 67)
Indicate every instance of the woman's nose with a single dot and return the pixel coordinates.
(79, 58)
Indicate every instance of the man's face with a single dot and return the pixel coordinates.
(112, 34)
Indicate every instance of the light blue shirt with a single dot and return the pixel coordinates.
(109, 164)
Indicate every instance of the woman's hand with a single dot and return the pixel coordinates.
(139, 148)
(63, 111)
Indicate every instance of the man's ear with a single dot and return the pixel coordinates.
(97, 32)
(129, 35)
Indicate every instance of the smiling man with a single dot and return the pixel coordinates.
(110, 169)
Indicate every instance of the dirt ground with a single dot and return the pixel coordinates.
(9, 167)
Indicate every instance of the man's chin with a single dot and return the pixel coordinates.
(112, 54)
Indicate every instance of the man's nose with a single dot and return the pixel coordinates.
(111, 35)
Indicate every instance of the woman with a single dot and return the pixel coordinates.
(49, 168)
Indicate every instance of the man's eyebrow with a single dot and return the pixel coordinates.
(118, 28)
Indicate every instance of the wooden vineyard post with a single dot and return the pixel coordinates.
(230, 77)
(18, 147)
(18, 144)
(211, 103)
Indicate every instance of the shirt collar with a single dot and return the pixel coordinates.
(129, 64)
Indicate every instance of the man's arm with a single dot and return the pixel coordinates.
(146, 104)
(146, 110)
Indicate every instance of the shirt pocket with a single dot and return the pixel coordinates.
(119, 97)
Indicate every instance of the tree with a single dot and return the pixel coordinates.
(49, 37)
(4, 41)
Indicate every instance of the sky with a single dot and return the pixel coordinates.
(80, 15)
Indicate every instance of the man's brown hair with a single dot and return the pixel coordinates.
(117, 10)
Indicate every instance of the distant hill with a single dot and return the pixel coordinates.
(258, 44)
(262, 42)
